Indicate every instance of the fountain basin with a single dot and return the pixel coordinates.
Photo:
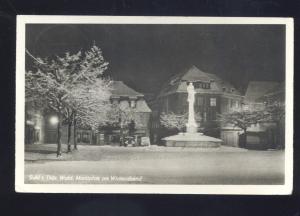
(192, 140)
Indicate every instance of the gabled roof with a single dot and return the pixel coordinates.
(257, 89)
(277, 89)
(194, 74)
(142, 106)
(278, 92)
(218, 86)
(119, 89)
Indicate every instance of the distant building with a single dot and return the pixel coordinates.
(34, 123)
(255, 91)
(213, 95)
(254, 99)
(259, 95)
(40, 129)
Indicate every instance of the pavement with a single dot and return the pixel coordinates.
(153, 165)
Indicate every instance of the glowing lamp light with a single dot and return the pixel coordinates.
(53, 120)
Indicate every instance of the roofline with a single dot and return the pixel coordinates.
(126, 96)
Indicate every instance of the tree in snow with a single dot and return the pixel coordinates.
(89, 103)
(124, 118)
(275, 112)
(57, 80)
(176, 121)
(243, 118)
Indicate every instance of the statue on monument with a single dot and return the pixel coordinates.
(191, 93)
(191, 126)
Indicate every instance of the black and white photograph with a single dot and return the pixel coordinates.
(184, 105)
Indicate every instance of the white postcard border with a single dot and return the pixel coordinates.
(20, 186)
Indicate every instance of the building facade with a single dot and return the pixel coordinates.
(268, 133)
(40, 128)
(213, 96)
(125, 97)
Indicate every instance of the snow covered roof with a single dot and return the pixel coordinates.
(194, 74)
(141, 106)
(277, 89)
(257, 89)
(217, 85)
(119, 89)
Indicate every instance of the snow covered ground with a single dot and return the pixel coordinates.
(153, 165)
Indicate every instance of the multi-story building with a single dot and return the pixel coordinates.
(40, 127)
(213, 95)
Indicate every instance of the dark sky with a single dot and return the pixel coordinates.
(145, 56)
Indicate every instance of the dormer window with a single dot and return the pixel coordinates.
(202, 85)
(232, 90)
(224, 89)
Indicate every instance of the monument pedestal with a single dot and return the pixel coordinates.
(191, 129)
(192, 140)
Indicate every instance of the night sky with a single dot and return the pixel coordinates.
(145, 56)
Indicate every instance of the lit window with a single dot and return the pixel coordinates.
(213, 101)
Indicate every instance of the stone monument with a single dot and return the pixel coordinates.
(192, 138)
(191, 126)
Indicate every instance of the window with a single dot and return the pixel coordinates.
(199, 101)
(204, 117)
(231, 103)
(206, 85)
(132, 104)
(236, 104)
(202, 85)
(213, 101)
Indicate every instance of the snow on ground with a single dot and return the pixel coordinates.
(153, 165)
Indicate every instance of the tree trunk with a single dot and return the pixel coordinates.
(69, 135)
(122, 137)
(58, 154)
(75, 132)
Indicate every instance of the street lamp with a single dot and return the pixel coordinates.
(54, 120)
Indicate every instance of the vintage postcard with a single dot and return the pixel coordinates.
(171, 105)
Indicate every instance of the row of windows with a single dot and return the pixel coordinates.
(200, 101)
(198, 85)
(132, 103)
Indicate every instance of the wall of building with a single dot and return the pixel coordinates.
(34, 124)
